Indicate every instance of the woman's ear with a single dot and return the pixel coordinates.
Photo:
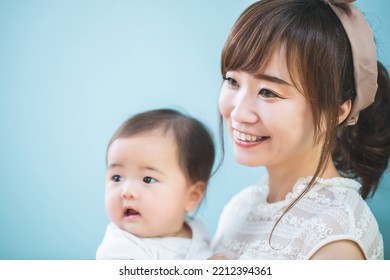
(344, 110)
(195, 195)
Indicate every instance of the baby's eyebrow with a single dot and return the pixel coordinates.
(152, 168)
(114, 165)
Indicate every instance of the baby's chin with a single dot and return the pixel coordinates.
(152, 233)
(142, 233)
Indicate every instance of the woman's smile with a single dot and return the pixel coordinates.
(247, 140)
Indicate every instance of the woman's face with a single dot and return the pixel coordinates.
(268, 118)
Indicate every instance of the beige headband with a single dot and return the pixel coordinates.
(363, 53)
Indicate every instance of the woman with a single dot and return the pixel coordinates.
(300, 80)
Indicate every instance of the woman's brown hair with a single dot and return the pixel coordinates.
(319, 60)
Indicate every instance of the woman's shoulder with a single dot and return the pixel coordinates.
(338, 198)
(337, 205)
(332, 191)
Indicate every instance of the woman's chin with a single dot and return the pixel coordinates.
(246, 160)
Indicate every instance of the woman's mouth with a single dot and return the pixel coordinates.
(249, 138)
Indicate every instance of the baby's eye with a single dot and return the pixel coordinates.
(267, 93)
(231, 82)
(149, 180)
(116, 178)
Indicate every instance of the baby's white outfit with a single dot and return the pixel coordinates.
(332, 210)
(118, 244)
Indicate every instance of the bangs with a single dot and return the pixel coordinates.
(307, 30)
(257, 34)
(315, 46)
(268, 25)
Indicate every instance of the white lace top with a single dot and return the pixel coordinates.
(332, 210)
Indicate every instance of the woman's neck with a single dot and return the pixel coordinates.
(282, 180)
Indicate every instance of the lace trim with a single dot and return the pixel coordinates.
(331, 210)
(266, 209)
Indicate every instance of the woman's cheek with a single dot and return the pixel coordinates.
(225, 104)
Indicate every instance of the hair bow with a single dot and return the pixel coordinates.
(363, 53)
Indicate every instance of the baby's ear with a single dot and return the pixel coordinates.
(195, 195)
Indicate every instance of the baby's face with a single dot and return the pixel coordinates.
(146, 191)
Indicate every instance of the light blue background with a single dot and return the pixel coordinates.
(72, 71)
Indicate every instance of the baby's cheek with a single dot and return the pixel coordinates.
(112, 206)
(174, 215)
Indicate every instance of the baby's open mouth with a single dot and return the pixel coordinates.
(130, 212)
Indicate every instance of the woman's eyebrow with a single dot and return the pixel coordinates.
(273, 79)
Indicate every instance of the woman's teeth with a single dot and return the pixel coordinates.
(246, 137)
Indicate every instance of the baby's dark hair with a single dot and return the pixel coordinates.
(195, 146)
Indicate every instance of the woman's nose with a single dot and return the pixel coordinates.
(129, 190)
(244, 108)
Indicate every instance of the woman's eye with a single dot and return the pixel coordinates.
(149, 180)
(267, 93)
(116, 178)
(231, 82)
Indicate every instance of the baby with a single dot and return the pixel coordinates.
(158, 165)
